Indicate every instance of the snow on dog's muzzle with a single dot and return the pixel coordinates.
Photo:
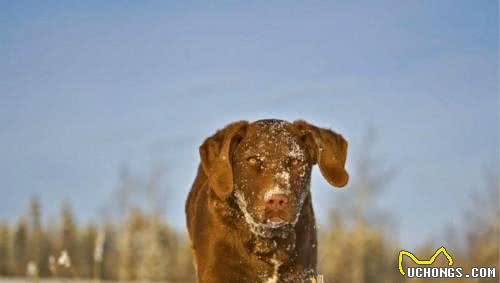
(272, 227)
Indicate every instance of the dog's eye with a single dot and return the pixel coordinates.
(294, 162)
(254, 161)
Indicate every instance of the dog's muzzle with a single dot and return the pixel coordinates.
(270, 229)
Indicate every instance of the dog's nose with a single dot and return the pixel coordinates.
(277, 202)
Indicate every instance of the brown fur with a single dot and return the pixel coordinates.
(239, 164)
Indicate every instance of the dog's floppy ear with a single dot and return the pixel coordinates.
(328, 149)
(215, 155)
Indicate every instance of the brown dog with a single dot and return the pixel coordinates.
(249, 213)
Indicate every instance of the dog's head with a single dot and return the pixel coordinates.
(266, 165)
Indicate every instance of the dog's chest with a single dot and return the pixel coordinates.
(275, 256)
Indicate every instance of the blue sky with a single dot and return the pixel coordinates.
(88, 87)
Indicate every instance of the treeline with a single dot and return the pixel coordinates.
(357, 245)
(354, 247)
(142, 247)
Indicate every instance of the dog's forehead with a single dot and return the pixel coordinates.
(271, 128)
(271, 132)
(273, 136)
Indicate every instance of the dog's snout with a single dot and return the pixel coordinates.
(277, 202)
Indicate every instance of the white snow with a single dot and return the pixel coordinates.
(296, 151)
(275, 191)
(285, 177)
(274, 278)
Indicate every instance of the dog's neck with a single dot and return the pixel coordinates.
(280, 248)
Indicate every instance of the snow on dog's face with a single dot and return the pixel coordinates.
(266, 165)
(271, 173)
